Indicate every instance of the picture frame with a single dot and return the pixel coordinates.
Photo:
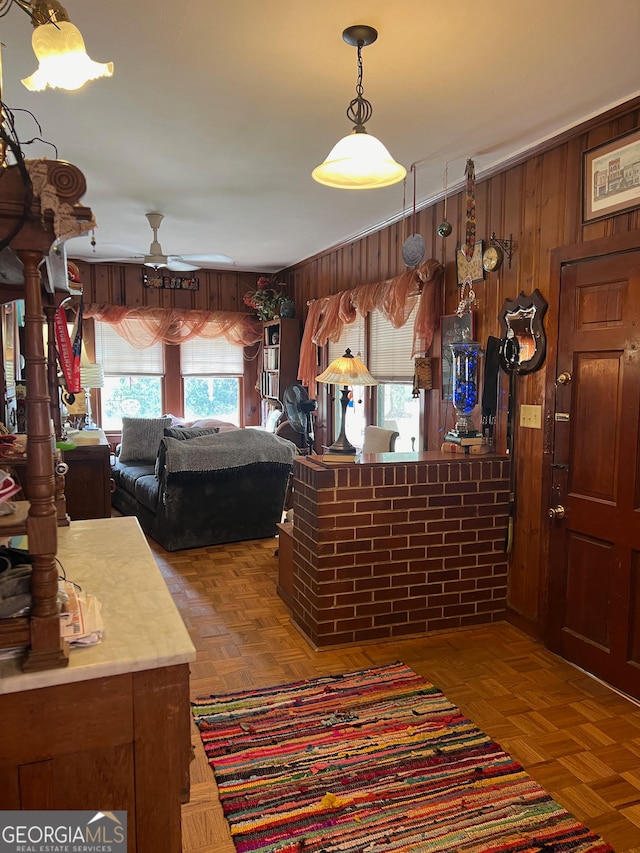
(453, 327)
(611, 177)
(170, 282)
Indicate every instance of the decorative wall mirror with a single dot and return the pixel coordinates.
(524, 343)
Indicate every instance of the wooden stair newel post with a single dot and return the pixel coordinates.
(47, 649)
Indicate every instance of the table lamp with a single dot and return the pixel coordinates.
(91, 376)
(346, 370)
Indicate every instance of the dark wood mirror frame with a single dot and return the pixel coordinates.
(524, 342)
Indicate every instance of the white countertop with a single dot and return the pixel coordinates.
(143, 629)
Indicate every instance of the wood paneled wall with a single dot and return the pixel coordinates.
(121, 284)
(538, 200)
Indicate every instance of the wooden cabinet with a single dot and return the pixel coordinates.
(112, 731)
(87, 486)
(280, 355)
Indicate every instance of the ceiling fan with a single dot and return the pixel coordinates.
(155, 257)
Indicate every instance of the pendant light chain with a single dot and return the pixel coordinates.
(359, 110)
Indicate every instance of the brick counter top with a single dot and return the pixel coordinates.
(398, 545)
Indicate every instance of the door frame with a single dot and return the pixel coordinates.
(560, 257)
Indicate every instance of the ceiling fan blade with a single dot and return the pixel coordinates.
(178, 265)
(208, 259)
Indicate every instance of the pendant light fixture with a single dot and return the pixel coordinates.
(359, 161)
(59, 48)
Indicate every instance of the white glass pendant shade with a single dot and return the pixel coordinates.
(63, 59)
(359, 162)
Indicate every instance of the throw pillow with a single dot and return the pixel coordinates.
(183, 433)
(141, 438)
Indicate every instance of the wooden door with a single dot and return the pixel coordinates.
(594, 582)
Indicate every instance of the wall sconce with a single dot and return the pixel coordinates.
(59, 48)
(346, 370)
(359, 161)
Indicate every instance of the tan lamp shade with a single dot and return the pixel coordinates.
(347, 370)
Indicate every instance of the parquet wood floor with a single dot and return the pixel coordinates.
(574, 735)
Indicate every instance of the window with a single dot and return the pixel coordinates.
(391, 364)
(132, 378)
(211, 371)
(352, 337)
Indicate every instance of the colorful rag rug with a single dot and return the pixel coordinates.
(377, 761)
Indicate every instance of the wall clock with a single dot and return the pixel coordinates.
(492, 258)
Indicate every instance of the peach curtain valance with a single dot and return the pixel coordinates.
(327, 316)
(174, 325)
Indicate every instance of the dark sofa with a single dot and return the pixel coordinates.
(207, 489)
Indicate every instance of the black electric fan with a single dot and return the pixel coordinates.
(298, 407)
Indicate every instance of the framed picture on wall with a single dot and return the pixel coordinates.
(611, 177)
(453, 327)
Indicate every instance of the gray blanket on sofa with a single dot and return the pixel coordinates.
(227, 450)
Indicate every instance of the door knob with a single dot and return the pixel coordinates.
(563, 379)
(557, 512)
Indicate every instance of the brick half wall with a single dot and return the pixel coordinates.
(397, 549)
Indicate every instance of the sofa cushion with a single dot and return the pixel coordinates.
(125, 476)
(183, 433)
(146, 491)
(141, 438)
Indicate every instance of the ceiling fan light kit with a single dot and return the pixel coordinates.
(359, 161)
(59, 49)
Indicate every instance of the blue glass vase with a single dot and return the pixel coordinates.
(465, 355)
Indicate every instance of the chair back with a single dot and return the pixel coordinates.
(379, 440)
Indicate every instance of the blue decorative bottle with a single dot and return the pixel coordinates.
(465, 355)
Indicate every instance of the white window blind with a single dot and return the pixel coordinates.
(352, 336)
(211, 357)
(119, 358)
(390, 348)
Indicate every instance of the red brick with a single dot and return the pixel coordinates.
(374, 608)
(373, 583)
(402, 554)
(394, 492)
(476, 595)
(353, 572)
(458, 536)
(390, 593)
(443, 624)
(460, 488)
(409, 629)
(373, 506)
(391, 619)
(460, 562)
(426, 490)
(355, 625)
(373, 558)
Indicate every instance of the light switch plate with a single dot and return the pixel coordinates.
(531, 416)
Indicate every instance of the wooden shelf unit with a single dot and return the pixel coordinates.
(28, 235)
(280, 355)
